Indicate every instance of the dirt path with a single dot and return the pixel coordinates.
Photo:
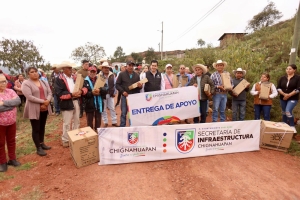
(264, 174)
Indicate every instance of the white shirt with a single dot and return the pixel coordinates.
(70, 82)
(273, 94)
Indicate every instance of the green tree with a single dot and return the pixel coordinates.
(150, 55)
(201, 42)
(267, 17)
(119, 54)
(90, 51)
(16, 54)
(137, 57)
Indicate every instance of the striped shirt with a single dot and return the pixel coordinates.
(217, 80)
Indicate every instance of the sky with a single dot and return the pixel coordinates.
(57, 27)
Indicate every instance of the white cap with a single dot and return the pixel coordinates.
(168, 65)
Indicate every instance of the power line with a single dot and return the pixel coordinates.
(200, 20)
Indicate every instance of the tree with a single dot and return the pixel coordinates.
(137, 57)
(119, 53)
(267, 17)
(90, 51)
(150, 55)
(201, 42)
(16, 54)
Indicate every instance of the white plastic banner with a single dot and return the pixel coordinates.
(141, 144)
(163, 107)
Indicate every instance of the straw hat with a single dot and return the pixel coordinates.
(240, 70)
(220, 62)
(65, 64)
(204, 68)
(54, 66)
(104, 64)
(104, 59)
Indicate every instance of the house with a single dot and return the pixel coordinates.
(227, 36)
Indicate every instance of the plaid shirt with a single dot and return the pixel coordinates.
(217, 80)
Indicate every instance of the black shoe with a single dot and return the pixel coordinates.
(14, 163)
(3, 167)
(115, 125)
(45, 147)
(40, 151)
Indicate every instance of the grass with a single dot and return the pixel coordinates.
(17, 188)
(26, 166)
(25, 144)
(35, 194)
(294, 149)
(4, 177)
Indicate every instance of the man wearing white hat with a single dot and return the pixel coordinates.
(220, 96)
(109, 98)
(69, 105)
(239, 102)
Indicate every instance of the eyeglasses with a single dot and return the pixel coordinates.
(182, 68)
(3, 82)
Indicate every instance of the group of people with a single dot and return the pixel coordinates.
(97, 101)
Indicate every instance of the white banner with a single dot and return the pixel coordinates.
(140, 144)
(163, 107)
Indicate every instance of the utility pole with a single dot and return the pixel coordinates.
(162, 39)
(159, 47)
(296, 37)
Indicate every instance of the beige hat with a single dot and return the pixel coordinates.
(240, 70)
(104, 59)
(204, 68)
(40, 70)
(54, 66)
(65, 64)
(220, 62)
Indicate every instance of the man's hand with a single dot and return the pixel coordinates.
(221, 87)
(195, 84)
(76, 94)
(125, 94)
(96, 92)
(140, 85)
(1, 103)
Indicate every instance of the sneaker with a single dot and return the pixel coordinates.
(56, 114)
(3, 167)
(14, 163)
(294, 129)
(65, 144)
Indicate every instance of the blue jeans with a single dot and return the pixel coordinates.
(56, 103)
(238, 110)
(219, 101)
(266, 111)
(287, 107)
(203, 108)
(123, 111)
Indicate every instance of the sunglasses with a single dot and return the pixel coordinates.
(182, 68)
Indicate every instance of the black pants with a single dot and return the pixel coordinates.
(90, 116)
(23, 99)
(38, 128)
(119, 98)
(82, 105)
(203, 109)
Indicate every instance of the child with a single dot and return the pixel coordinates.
(239, 101)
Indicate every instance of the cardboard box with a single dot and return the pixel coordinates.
(143, 81)
(275, 135)
(84, 146)
(100, 82)
(265, 91)
(240, 87)
(207, 89)
(226, 81)
(78, 83)
(175, 82)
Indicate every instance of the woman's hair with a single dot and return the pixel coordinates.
(19, 75)
(266, 75)
(293, 66)
(30, 68)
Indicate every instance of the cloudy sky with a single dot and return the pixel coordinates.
(59, 26)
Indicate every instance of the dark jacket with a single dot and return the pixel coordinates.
(242, 95)
(111, 83)
(63, 92)
(89, 97)
(124, 81)
(294, 84)
(52, 82)
(204, 80)
(154, 82)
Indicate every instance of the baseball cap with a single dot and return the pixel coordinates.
(130, 63)
(92, 68)
(168, 65)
